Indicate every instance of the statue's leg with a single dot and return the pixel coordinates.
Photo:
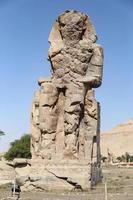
(73, 114)
(91, 126)
(48, 118)
(35, 140)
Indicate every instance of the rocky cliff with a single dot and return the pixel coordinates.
(118, 140)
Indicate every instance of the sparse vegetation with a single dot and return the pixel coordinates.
(125, 158)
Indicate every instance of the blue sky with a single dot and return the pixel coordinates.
(24, 30)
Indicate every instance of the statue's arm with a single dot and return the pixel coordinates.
(94, 73)
(96, 66)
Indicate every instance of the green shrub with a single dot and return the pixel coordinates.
(19, 148)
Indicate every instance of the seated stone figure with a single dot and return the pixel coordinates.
(68, 116)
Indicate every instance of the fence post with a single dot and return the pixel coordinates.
(106, 192)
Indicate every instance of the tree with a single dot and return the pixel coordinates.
(19, 148)
(103, 158)
(125, 158)
(1, 133)
(121, 158)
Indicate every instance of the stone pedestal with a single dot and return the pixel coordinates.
(54, 176)
(63, 176)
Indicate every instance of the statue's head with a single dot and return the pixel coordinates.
(72, 25)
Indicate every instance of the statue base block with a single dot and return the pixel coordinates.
(66, 175)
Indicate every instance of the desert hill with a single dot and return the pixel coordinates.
(119, 140)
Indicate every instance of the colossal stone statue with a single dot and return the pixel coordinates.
(65, 119)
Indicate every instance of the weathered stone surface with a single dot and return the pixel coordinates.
(51, 176)
(65, 118)
(21, 169)
(7, 173)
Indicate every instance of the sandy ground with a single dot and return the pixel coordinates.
(119, 187)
